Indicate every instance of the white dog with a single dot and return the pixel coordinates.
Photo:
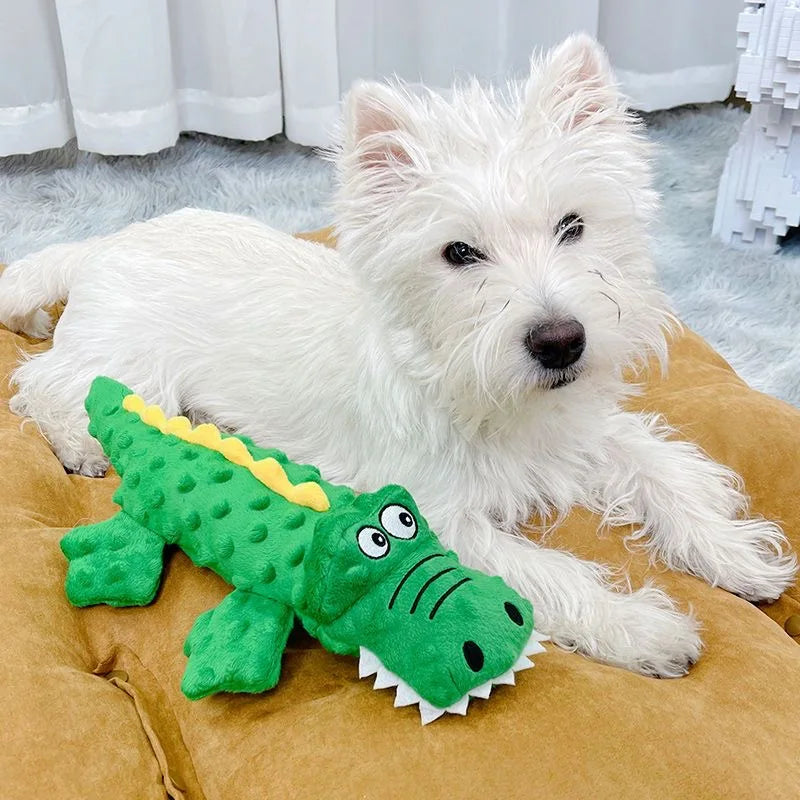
(467, 340)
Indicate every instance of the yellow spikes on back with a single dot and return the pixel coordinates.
(177, 425)
(266, 470)
(235, 451)
(153, 415)
(206, 435)
(133, 402)
(272, 474)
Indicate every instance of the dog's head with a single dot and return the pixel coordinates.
(503, 239)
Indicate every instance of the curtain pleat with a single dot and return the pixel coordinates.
(127, 76)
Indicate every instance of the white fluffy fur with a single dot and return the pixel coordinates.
(381, 363)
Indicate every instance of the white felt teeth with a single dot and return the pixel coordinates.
(385, 679)
(459, 707)
(506, 679)
(533, 647)
(428, 712)
(523, 662)
(370, 664)
(483, 691)
(405, 695)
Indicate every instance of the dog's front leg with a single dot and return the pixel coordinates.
(574, 603)
(691, 510)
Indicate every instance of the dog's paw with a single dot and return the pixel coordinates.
(752, 560)
(18, 406)
(90, 465)
(642, 631)
(663, 641)
(38, 324)
(80, 455)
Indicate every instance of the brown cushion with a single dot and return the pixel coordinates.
(91, 707)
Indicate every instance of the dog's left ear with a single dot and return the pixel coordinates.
(573, 85)
(379, 130)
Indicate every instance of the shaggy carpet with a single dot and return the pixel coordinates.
(747, 304)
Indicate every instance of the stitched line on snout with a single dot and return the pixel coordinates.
(426, 585)
(409, 573)
(446, 595)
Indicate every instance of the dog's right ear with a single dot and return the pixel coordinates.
(573, 85)
(378, 127)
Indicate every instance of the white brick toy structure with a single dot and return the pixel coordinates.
(759, 191)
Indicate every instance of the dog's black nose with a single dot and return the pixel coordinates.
(556, 345)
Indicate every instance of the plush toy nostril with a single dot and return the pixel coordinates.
(473, 655)
(514, 613)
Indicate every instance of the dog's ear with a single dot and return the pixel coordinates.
(573, 85)
(378, 129)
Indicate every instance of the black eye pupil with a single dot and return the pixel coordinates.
(405, 519)
(461, 254)
(569, 228)
(378, 539)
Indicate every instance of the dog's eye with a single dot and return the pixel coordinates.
(461, 254)
(569, 228)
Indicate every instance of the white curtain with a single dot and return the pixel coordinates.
(670, 52)
(127, 76)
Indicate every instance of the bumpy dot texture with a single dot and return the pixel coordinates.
(229, 507)
(268, 470)
(116, 562)
(237, 646)
(284, 559)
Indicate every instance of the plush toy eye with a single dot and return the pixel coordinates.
(373, 543)
(399, 521)
(461, 254)
(569, 228)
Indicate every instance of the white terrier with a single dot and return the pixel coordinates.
(467, 339)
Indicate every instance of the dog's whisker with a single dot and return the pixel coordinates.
(610, 265)
(619, 310)
(508, 302)
(601, 276)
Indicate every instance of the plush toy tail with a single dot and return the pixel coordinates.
(116, 562)
(104, 406)
(109, 422)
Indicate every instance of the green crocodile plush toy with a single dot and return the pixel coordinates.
(362, 572)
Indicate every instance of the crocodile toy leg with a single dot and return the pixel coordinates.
(237, 646)
(116, 562)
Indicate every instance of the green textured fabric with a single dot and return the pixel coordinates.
(366, 573)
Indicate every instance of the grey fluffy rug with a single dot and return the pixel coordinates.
(746, 304)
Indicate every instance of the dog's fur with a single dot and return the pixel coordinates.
(383, 363)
